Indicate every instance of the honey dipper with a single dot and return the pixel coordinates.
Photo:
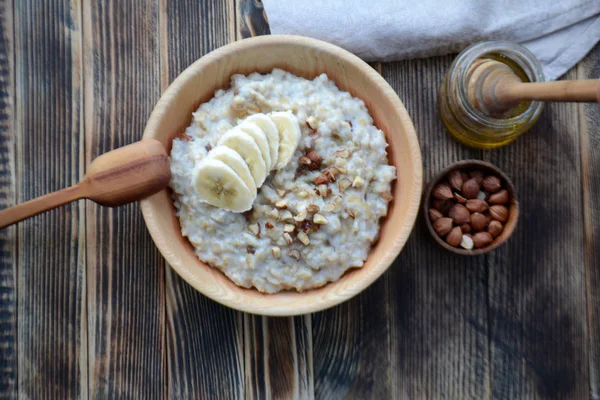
(494, 88)
(118, 177)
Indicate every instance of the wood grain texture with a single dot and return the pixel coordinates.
(205, 339)
(51, 255)
(438, 301)
(8, 242)
(589, 126)
(537, 293)
(126, 298)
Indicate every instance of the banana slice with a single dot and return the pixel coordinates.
(270, 129)
(261, 140)
(219, 185)
(236, 163)
(246, 147)
(289, 136)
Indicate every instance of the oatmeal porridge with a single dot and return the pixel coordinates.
(314, 194)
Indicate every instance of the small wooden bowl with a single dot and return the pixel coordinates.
(513, 211)
(307, 58)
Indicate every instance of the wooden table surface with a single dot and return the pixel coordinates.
(89, 309)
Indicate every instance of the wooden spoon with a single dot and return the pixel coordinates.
(113, 179)
(494, 88)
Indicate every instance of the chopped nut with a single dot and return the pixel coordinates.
(351, 213)
(329, 207)
(305, 226)
(387, 196)
(344, 184)
(301, 216)
(303, 194)
(289, 228)
(312, 208)
(288, 239)
(281, 204)
(295, 254)
(303, 237)
(280, 192)
(286, 216)
(274, 213)
(321, 179)
(305, 160)
(250, 249)
(311, 122)
(269, 225)
(255, 229)
(276, 251)
(327, 176)
(315, 159)
(342, 170)
(323, 190)
(319, 219)
(358, 182)
(337, 200)
(342, 153)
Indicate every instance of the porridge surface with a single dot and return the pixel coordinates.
(337, 128)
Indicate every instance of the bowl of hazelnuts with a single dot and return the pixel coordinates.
(470, 207)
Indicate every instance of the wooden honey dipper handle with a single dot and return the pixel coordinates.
(577, 91)
(494, 88)
(118, 177)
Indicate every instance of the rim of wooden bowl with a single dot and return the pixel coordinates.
(513, 215)
(211, 281)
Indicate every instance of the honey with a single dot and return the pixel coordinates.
(469, 125)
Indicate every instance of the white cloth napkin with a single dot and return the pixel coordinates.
(558, 32)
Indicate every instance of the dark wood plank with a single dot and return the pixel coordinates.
(278, 351)
(537, 292)
(589, 126)
(438, 301)
(8, 240)
(51, 254)
(205, 339)
(126, 303)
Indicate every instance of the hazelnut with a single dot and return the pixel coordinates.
(459, 214)
(443, 192)
(477, 175)
(466, 242)
(499, 213)
(442, 226)
(443, 206)
(464, 176)
(500, 197)
(470, 189)
(478, 221)
(434, 214)
(476, 205)
(466, 228)
(455, 179)
(459, 198)
(495, 228)
(482, 239)
(454, 237)
(491, 184)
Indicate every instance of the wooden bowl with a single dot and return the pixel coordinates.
(307, 58)
(513, 208)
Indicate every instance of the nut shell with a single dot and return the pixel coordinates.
(442, 226)
(443, 192)
(476, 205)
(455, 179)
(478, 221)
(495, 228)
(459, 214)
(500, 197)
(499, 213)
(470, 189)
(454, 237)
(492, 184)
(482, 239)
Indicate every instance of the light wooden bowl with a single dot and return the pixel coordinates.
(307, 58)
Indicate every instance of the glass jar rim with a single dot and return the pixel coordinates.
(516, 53)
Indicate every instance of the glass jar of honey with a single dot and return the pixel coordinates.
(469, 125)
